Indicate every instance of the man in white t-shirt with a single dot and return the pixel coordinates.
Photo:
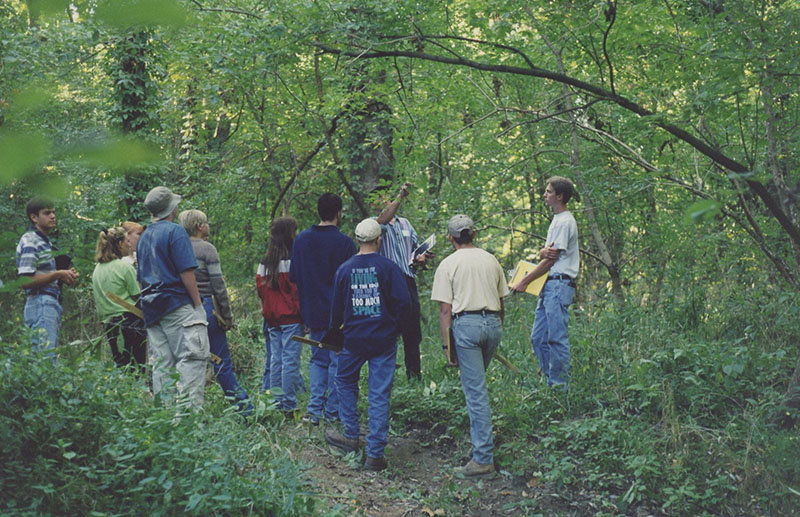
(559, 259)
(470, 285)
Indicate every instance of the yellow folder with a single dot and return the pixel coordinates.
(523, 268)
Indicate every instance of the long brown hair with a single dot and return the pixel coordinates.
(281, 237)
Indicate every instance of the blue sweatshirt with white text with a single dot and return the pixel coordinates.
(370, 298)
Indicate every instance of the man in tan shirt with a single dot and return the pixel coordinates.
(469, 285)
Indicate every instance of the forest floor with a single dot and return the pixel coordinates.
(420, 480)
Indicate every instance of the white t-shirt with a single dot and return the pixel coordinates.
(470, 279)
(563, 235)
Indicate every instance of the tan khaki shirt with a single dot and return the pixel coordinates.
(470, 279)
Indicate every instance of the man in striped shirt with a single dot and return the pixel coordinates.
(399, 240)
(36, 260)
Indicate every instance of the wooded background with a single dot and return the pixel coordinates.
(678, 121)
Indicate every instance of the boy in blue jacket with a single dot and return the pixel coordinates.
(370, 299)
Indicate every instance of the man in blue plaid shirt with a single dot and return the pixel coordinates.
(36, 260)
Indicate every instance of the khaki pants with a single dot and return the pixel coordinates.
(179, 341)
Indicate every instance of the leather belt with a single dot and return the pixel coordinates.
(482, 312)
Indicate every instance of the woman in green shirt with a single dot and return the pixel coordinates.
(114, 275)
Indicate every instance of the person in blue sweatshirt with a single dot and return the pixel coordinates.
(370, 299)
(316, 254)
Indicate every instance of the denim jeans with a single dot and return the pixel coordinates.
(549, 334)
(285, 363)
(267, 377)
(381, 375)
(477, 337)
(179, 341)
(223, 372)
(43, 314)
(321, 378)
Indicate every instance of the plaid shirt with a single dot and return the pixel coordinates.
(35, 255)
(398, 243)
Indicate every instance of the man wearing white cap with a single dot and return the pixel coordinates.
(469, 285)
(370, 299)
(173, 310)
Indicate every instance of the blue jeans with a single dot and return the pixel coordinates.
(267, 378)
(381, 375)
(218, 344)
(549, 334)
(477, 337)
(321, 378)
(285, 363)
(43, 314)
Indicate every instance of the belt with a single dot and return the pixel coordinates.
(51, 295)
(560, 276)
(482, 312)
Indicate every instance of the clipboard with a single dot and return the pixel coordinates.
(426, 245)
(523, 268)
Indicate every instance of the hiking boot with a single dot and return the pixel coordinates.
(310, 419)
(375, 464)
(472, 469)
(338, 440)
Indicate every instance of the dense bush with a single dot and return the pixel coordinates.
(82, 438)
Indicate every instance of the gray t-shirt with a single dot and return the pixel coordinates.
(563, 235)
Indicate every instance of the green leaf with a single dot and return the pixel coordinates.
(119, 155)
(124, 14)
(22, 154)
(702, 211)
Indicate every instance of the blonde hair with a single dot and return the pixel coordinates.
(130, 226)
(189, 219)
(109, 244)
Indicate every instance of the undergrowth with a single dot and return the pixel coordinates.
(658, 418)
(661, 418)
(81, 438)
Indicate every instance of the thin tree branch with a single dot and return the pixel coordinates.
(656, 119)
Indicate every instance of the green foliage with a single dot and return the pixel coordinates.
(674, 384)
(77, 435)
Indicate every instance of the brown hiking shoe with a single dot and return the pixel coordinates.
(475, 469)
(338, 440)
(375, 464)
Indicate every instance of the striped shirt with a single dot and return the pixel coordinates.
(398, 243)
(209, 276)
(35, 256)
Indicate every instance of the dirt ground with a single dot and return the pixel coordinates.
(419, 481)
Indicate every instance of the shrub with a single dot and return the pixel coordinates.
(78, 437)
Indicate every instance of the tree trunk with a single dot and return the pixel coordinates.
(369, 140)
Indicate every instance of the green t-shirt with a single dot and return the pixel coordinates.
(117, 277)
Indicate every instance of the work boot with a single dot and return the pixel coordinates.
(338, 440)
(473, 468)
(375, 464)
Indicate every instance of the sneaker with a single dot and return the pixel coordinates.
(310, 419)
(338, 440)
(375, 464)
(476, 469)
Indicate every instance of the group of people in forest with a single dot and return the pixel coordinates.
(163, 285)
